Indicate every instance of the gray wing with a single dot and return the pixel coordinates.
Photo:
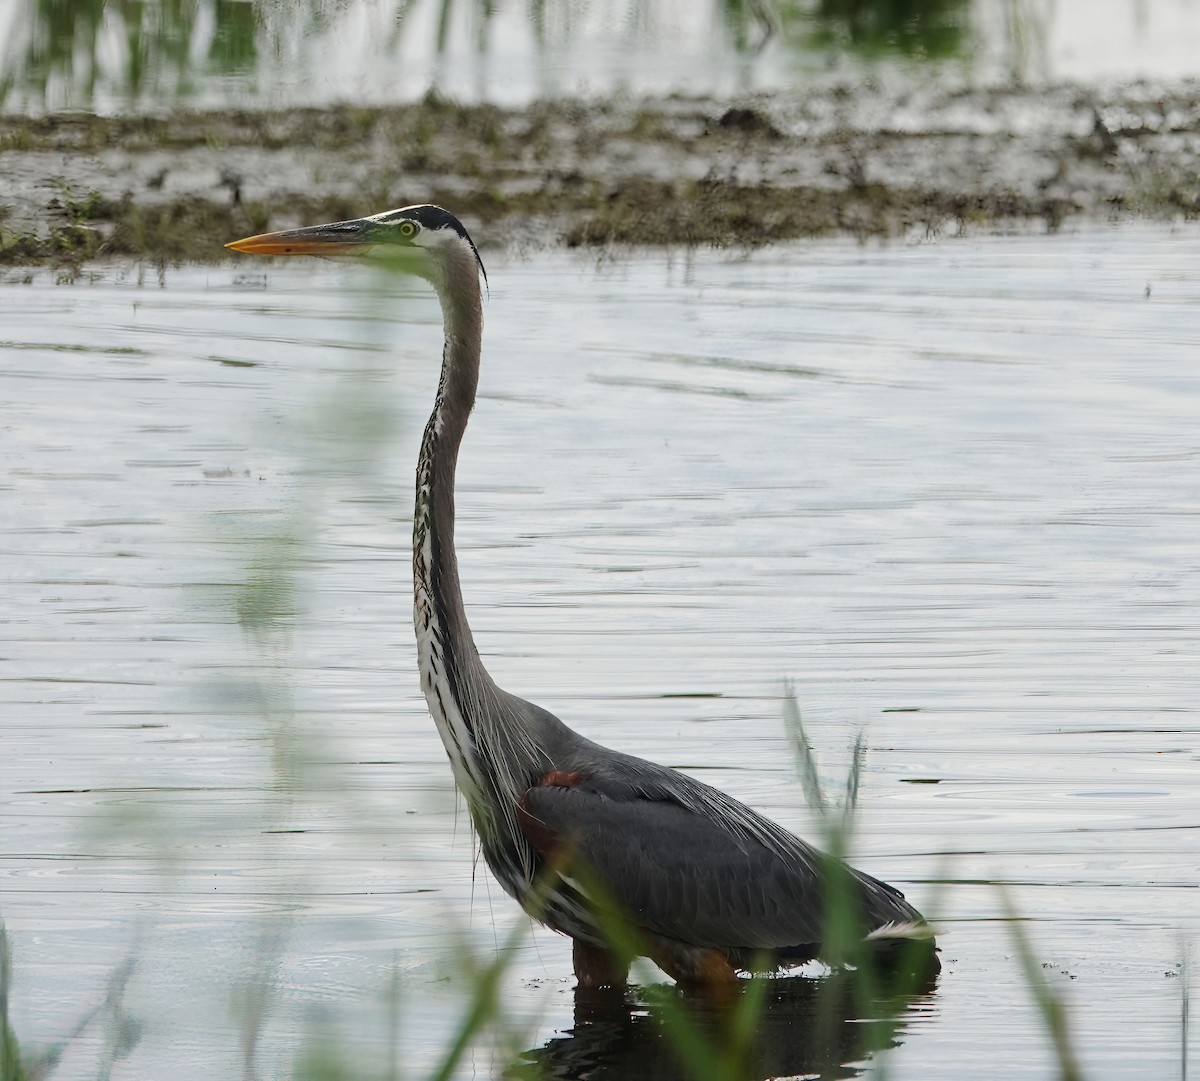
(692, 864)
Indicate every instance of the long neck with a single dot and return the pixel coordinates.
(493, 740)
(457, 687)
(438, 594)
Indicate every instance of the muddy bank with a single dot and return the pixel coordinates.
(866, 161)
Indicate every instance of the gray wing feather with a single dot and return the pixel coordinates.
(731, 879)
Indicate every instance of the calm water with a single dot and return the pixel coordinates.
(948, 491)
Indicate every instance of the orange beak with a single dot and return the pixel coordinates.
(335, 238)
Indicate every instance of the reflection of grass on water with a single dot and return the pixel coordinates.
(929, 29)
(926, 29)
(164, 50)
(66, 41)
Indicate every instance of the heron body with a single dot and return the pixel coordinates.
(573, 830)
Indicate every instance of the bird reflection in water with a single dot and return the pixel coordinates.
(806, 1026)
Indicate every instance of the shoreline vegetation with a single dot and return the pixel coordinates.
(868, 161)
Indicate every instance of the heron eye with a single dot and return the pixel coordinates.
(408, 229)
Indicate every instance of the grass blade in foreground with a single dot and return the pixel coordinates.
(1049, 1005)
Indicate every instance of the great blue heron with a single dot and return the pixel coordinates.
(709, 886)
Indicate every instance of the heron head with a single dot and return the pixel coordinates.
(423, 239)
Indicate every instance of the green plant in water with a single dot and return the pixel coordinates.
(870, 980)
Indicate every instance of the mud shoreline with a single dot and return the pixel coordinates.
(866, 161)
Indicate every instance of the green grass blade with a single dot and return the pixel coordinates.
(1050, 1007)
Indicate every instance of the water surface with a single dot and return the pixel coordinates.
(285, 53)
(948, 491)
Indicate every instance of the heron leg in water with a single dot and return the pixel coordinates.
(597, 967)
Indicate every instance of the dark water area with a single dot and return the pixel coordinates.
(946, 491)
